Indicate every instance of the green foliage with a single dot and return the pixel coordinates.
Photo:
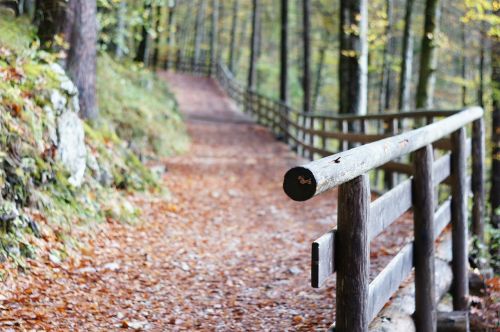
(139, 108)
(36, 195)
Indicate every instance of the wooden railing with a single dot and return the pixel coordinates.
(417, 153)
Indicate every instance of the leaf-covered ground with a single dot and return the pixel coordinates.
(230, 252)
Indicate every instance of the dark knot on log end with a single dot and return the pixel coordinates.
(299, 184)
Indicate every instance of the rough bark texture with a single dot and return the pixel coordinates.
(353, 64)
(428, 55)
(423, 202)
(120, 30)
(306, 78)
(198, 34)
(253, 45)
(214, 33)
(353, 255)
(459, 190)
(143, 49)
(49, 17)
(385, 84)
(407, 60)
(82, 56)
(284, 52)
(232, 43)
(495, 138)
(170, 35)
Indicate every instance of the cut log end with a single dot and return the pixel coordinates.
(299, 184)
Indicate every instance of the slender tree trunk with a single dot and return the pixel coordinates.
(464, 64)
(121, 30)
(407, 59)
(171, 34)
(306, 79)
(142, 54)
(385, 86)
(319, 78)
(82, 56)
(214, 33)
(50, 18)
(221, 31)
(156, 39)
(232, 43)
(198, 34)
(428, 55)
(253, 45)
(284, 52)
(353, 64)
(482, 48)
(495, 138)
(242, 40)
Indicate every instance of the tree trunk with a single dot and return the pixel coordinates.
(120, 30)
(407, 60)
(232, 43)
(428, 55)
(284, 52)
(319, 78)
(82, 56)
(156, 40)
(306, 79)
(253, 45)
(353, 64)
(495, 138)
(385, 86)
(170, 34)
(198, 30)
(142, 54)
(50, 17)
(464, 64)
(214, 33)
(482, 48)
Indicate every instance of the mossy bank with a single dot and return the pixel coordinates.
(58, 172)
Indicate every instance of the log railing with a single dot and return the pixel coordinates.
(417, 153)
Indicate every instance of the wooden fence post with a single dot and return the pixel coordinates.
(459, 190)
(353, 259)
(478, 155)
(423, 216)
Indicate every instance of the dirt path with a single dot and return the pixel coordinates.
(230, 252)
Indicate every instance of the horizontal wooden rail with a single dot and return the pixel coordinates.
(387, 144)
(304, 182)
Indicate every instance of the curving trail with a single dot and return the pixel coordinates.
(229, 252)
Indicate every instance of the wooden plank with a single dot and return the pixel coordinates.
(441, 169)
(323, 258)
(453, 321)
(387, 208)
(388, 281)
(423, 219)
(329, 172)
(459, 192)
(353, 258)
(442, 217)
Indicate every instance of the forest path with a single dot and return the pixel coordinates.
(230, 252)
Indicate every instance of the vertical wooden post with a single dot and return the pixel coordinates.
(300, 134)
(478, 154)
(178, 60)
(460, 287)
(353, 259)
(423, 216)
